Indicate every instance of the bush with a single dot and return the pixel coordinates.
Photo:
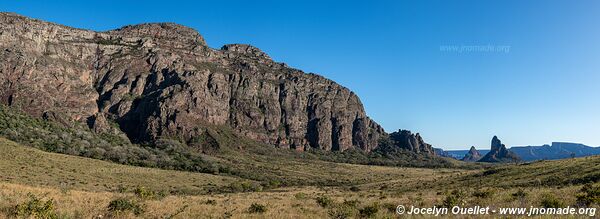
(324, 201)
(257, 208)
(354, 189)
(301, 195)
(369, 211)
(483, 194)
(550, 201)
(122, 205)
(35, 208)
(455, 198)
(390, 207)
(351, 203)
(520, 194)
(342, 212)
(210, 202)
(145, 194)
(589, 195)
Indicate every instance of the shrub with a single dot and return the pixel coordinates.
(273, 184)
(483, 194)
(35, 208)
(550, 201)
(324, 201)
(589, 195)
(257, 208)
(455, 198)
(520, 194)
(210, 202)
(121, 205)
(301, 195)
(369, 211)
(354, 189)
(342, 212)
(145, 194)
(351, 203)
(390, 207)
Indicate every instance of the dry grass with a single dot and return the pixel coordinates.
(83, 188)
(286, 203)
(28, 166)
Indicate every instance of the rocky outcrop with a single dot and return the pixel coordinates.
(162, 80)
(499, 153)
(441, 153)
(472, 156)
(412, 142)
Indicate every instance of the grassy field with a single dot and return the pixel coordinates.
(64, 186)
(29, 166)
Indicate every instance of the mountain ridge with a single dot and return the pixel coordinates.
(159, 80)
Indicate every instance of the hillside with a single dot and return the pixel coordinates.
(541, 173)
(28, 166)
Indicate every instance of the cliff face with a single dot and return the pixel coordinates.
(412, 142)
(499, 153)
(162, 80)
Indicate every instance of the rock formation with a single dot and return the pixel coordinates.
(499, 153)
(472, 156)
(441, 153)
(412, 142)
(162, 80)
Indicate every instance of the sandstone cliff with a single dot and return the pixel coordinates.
(162, 80)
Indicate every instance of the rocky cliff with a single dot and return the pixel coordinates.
(162, 80)
(413, 142)
(499, 153)
(472, 156)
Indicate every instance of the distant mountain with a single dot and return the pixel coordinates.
(558, 150)
(499, 153)
(472, 156)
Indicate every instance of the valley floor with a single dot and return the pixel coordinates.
(41, 184)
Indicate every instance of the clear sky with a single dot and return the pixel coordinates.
(527, 71)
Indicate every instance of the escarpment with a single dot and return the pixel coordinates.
(162, 80)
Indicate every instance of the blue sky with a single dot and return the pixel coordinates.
(544, 88)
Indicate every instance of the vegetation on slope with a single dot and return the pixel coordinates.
(29, 166)
(575, 171)
(77, 139)
(218, 151)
